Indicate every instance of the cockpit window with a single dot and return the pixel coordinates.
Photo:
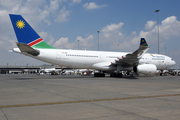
(172, 59)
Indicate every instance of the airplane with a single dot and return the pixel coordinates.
(84, 72)
(68, 72)
(32, 45)
(51, 70)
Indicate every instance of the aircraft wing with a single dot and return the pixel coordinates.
(133, 58)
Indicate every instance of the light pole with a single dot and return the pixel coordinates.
(98, 39)
(158, 27)
(118, 47)
(78, 44)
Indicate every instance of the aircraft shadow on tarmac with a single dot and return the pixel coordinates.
(23, 78)
(77, 77)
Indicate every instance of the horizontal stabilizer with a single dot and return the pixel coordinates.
(27, 49)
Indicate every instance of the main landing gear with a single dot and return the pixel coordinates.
(116, 75)
(163, 73)
(100, 74)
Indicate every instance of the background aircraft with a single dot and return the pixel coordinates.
(84, 72)
(51, 70)
(31, 44)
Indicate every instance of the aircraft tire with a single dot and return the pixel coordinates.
(95, 74)
(102, 75)
(119, 75)
(112, 75)
(99, 75)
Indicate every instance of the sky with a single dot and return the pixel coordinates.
(62, 23)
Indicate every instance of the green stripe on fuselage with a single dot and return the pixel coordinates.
(43, 45)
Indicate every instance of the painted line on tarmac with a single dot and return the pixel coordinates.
(81, 101)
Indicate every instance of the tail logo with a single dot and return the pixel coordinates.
(26, 34)
(143, 42)
(20, 24)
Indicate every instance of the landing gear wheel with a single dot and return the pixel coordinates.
(99, 75)
(116, 75)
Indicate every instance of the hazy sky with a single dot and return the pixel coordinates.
(61, 23)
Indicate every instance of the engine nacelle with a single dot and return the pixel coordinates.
(145, 69)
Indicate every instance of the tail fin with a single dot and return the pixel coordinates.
(143, 42)
(25, 33)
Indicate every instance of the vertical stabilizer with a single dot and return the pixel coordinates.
(25, 33)
(143, 42)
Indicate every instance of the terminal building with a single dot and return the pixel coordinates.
(10, 69)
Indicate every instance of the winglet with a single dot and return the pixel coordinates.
(143, 42)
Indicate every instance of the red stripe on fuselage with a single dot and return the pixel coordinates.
(35, 42)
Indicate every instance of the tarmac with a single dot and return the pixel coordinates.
(73, 97)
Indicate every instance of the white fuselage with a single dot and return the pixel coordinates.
(82, 59)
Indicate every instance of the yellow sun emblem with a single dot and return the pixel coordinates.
(20, 24)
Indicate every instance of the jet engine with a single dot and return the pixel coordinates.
(145, 69)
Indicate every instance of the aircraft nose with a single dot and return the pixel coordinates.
(173, 63)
